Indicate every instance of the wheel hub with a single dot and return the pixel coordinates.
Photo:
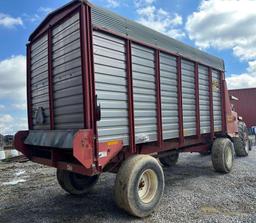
(147, 186)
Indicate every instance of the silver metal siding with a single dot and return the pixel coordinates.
(217, 107)
(169, 96)
(204, 104)
(67, 75)
(111, 21)
(188, 97)
(144, 94)
(39, 80)
(111, 87)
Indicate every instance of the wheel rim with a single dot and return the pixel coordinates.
(229, 158)
(147, 186)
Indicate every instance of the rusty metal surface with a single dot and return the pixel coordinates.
(108, 151)
(83, 148)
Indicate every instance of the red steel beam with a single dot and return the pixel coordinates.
(197, 102)
(85, 68)
(222, 90)
(158, 97)
(29, 93)
(130, 97)
(180, 108)
(173, 144)
(50, 79)
(211, 102)
(92, 78)
(90, 65)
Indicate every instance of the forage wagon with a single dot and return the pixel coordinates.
(106, 94)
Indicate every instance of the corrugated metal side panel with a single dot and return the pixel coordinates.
(217, 105)
(39, 80)
(204, 99)
(144, 93)
(111, 87)
(67, 75)
(169, 96)
(188, 97)
(116, 23)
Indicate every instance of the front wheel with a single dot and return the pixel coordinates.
(139, 185)
(242, 143)
(74, 183)
(222, 155)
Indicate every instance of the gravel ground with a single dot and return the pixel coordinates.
(193, 193)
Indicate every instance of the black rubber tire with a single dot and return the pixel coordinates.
(241, 143)
(222, 155)
(128, 183)
(250, 145)
(169, 160)
(76, 184)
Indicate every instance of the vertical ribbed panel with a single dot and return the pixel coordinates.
(111, 87)
(188, 97)
(144, 93)
(204, 99)
(217, 108)
(67, 75)
(39, 80)
(169, 97)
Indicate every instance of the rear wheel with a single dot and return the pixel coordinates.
(139, 185)
(222, 155)
(169, 160)
(241, 143)
(74, 183)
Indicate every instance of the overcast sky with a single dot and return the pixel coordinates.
(225, 28)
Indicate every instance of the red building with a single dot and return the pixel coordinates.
(246, 105)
